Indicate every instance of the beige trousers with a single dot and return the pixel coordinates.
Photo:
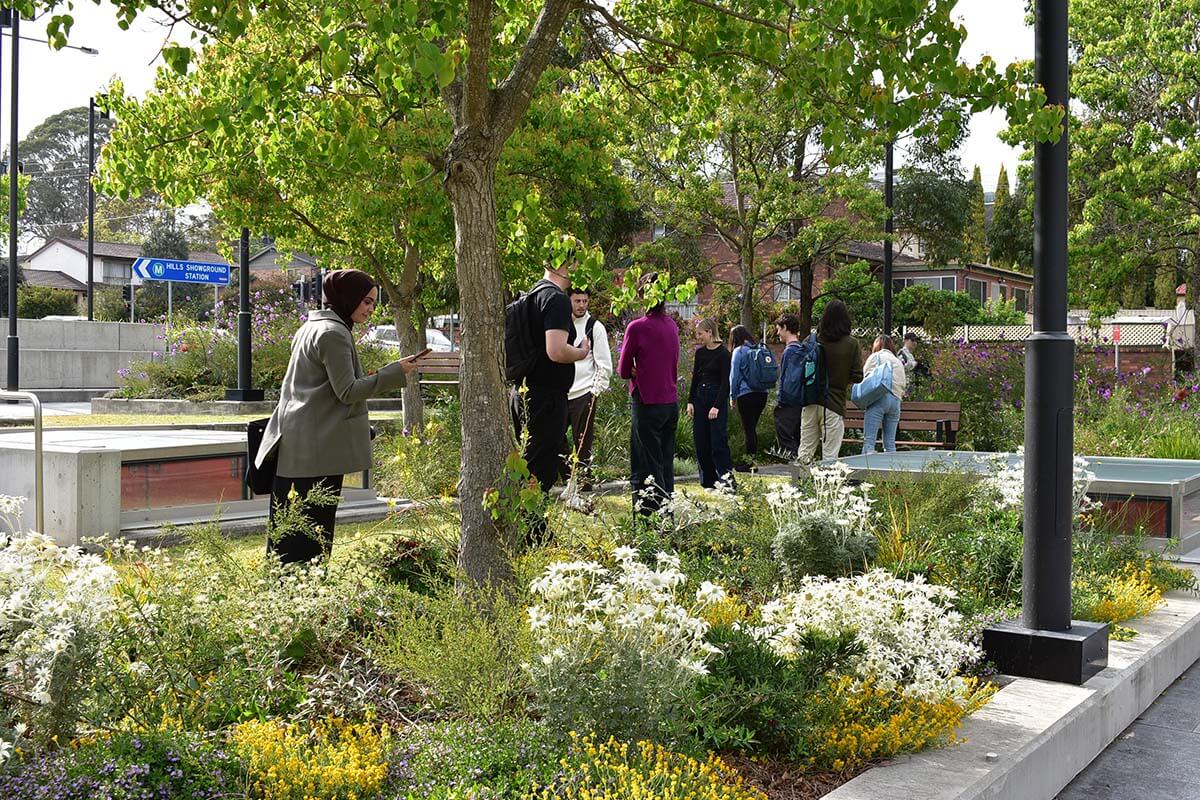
(820, 425)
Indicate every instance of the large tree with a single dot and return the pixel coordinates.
(755, 175)
(975, 234)
(1010, 236)
(483, 62)
(55, 157)
(1135, 160)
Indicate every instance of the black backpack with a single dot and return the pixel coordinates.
(521, 346)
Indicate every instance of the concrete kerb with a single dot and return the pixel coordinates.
(117, 405)
(1035, 737)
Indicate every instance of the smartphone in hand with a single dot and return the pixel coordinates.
(417, 356)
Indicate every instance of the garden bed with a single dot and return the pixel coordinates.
(770, 643)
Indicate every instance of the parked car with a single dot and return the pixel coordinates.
(386, 336)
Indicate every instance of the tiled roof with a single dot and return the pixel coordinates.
(53, 279)
(125, 251)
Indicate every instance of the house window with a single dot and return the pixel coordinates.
(686, 311)
(1020, 298)
(943, 282)
(978, 290)
(115, 272)
(787, 286)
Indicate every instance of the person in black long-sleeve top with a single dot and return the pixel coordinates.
(708, 405)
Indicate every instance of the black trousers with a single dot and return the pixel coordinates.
(750, 407)
(787, 428)
(315, 542)
(711, 437)
(652, 453)
(544, 414)
(581, 419)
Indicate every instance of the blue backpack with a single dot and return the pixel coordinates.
(760, 368)
(808, 380)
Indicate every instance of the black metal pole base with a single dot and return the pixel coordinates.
(245, 395)
(12, 378)
(1071, 656)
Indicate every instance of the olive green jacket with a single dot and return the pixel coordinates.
(320, 425)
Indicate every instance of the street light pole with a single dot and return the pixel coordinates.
(888, 179)
(91, 203)
(243, 392)
(1047, 643)
(12, 376)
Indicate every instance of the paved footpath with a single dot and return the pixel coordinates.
(19, 411)
(1155, 758)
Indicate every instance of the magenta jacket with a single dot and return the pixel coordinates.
(652, 346)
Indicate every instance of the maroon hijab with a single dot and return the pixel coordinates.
(344, 289)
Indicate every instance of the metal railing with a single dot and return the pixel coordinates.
(39, 498)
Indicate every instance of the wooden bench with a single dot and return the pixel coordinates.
(939, 419)
(444, 367)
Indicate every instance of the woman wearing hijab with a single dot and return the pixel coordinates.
(319, 431)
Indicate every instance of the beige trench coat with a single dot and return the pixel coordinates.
(320, 426)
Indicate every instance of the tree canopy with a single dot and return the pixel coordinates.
(1135, 154)
(861, 66)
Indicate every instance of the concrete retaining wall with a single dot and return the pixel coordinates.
(76, 354)
(1035, 737)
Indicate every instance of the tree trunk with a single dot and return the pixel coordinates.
(1193, 296)
(410, 327)
(487, 434)
(746, 264)
(806, 299)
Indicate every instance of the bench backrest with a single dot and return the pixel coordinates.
(915, 416)
(441, 363)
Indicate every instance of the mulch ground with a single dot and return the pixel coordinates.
(783, 781)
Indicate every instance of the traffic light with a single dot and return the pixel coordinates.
(314, 290)
(127, 292)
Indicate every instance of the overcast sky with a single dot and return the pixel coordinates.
(54, 80)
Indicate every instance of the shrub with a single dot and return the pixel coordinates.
(463, 652)
(615, 649)
(37, 302)
(126, 766)
(816, 544)
(754, 699)
(425, 463)
(203, 641)
(53, 625)
(332, 760)
(643, 770)
(501, 760)
(850, 723)
(911, 641)
(1114, 598)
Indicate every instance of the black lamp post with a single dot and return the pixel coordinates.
(1047, 643)
(12, 376)
(91, 203)
(244, 393)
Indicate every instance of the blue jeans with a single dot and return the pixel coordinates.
(884, 412)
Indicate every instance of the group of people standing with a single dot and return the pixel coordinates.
(723, 377)
(319, 430)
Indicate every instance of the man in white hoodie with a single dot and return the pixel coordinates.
(592, 376)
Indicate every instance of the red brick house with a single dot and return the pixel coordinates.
(984, 282)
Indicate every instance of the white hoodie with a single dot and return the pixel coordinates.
(594, 373)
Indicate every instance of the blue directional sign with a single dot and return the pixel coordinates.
(168, 269)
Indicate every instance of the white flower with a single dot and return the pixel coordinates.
(709, 593)
(625, 553)
(538, 618)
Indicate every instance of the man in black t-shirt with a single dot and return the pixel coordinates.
(549, 380)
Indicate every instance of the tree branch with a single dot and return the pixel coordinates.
(476, 97)
(515, 92)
